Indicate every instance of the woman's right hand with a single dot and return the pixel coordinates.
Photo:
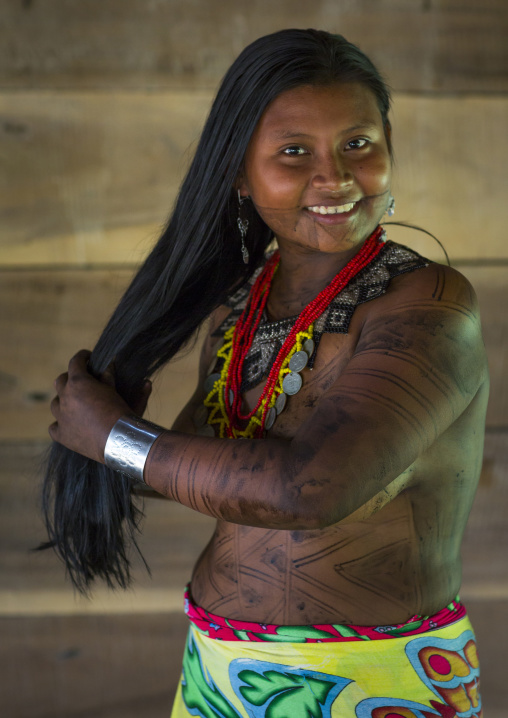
(86, 408)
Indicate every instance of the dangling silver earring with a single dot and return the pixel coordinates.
(243, 226)
(390, 211)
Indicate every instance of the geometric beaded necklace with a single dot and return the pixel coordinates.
(225, 398)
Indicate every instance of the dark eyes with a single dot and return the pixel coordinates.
(294, 151)
(298, 151)
(357, 144)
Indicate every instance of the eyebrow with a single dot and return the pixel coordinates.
(288, 134)
(361, 126)
(291, 133)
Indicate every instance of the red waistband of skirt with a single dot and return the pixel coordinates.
(227, 629)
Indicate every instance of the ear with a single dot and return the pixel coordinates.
(241, 185)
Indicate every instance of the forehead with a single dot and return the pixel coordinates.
(341, 106)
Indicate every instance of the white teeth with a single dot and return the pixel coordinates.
(321, 209)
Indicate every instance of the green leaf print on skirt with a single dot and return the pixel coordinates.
(200, 694)
(273, 690)
(266, 690)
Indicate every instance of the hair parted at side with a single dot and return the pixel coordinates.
(193, 268)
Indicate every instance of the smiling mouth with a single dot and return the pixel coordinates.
(340, 209)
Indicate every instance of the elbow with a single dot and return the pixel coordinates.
(293, 518)
(317, 508)
(285, 493)
(310, 516)
(284, 505)
(311, 493)
(308, 503)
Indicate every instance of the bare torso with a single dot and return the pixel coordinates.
(395, 556)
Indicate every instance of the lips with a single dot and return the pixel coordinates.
(331, 209)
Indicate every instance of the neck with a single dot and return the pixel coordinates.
(301, 275)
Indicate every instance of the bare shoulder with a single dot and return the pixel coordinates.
(430, 317)
(426, 300)
(435, 284)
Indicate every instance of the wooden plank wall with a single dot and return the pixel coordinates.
(101, 103)
(100, 107)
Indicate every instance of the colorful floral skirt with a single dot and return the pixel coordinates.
(426, 667)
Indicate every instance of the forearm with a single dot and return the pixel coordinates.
(314, 480)
(252, 482)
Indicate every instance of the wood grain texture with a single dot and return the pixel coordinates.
(90, 177)
(421, 45)
(491, 285)
(48, 315)
(450, 173)
(91, 667)
(45, 318)
(485, 558)
(460, 5)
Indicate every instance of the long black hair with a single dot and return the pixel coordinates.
(193, 268)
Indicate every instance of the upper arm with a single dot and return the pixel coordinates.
(418, 364)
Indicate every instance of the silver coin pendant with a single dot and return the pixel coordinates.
(292, 383)
(309, 346)
(280, 403)
(271, 415)
(298, 361)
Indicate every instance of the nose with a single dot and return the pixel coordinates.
(332, 173)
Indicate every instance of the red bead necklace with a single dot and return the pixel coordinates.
(249, 321)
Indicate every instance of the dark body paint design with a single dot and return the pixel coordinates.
(352, 509)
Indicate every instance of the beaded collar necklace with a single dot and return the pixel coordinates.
(224, 396)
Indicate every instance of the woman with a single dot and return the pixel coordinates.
(353, 369)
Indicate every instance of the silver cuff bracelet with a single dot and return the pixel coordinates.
(129, 444)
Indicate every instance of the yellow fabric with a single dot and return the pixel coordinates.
(415, 676)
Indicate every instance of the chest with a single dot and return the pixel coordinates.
(271, 374)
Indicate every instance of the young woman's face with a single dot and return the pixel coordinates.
(318, 167)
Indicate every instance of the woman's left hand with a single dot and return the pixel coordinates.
(85, 408)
